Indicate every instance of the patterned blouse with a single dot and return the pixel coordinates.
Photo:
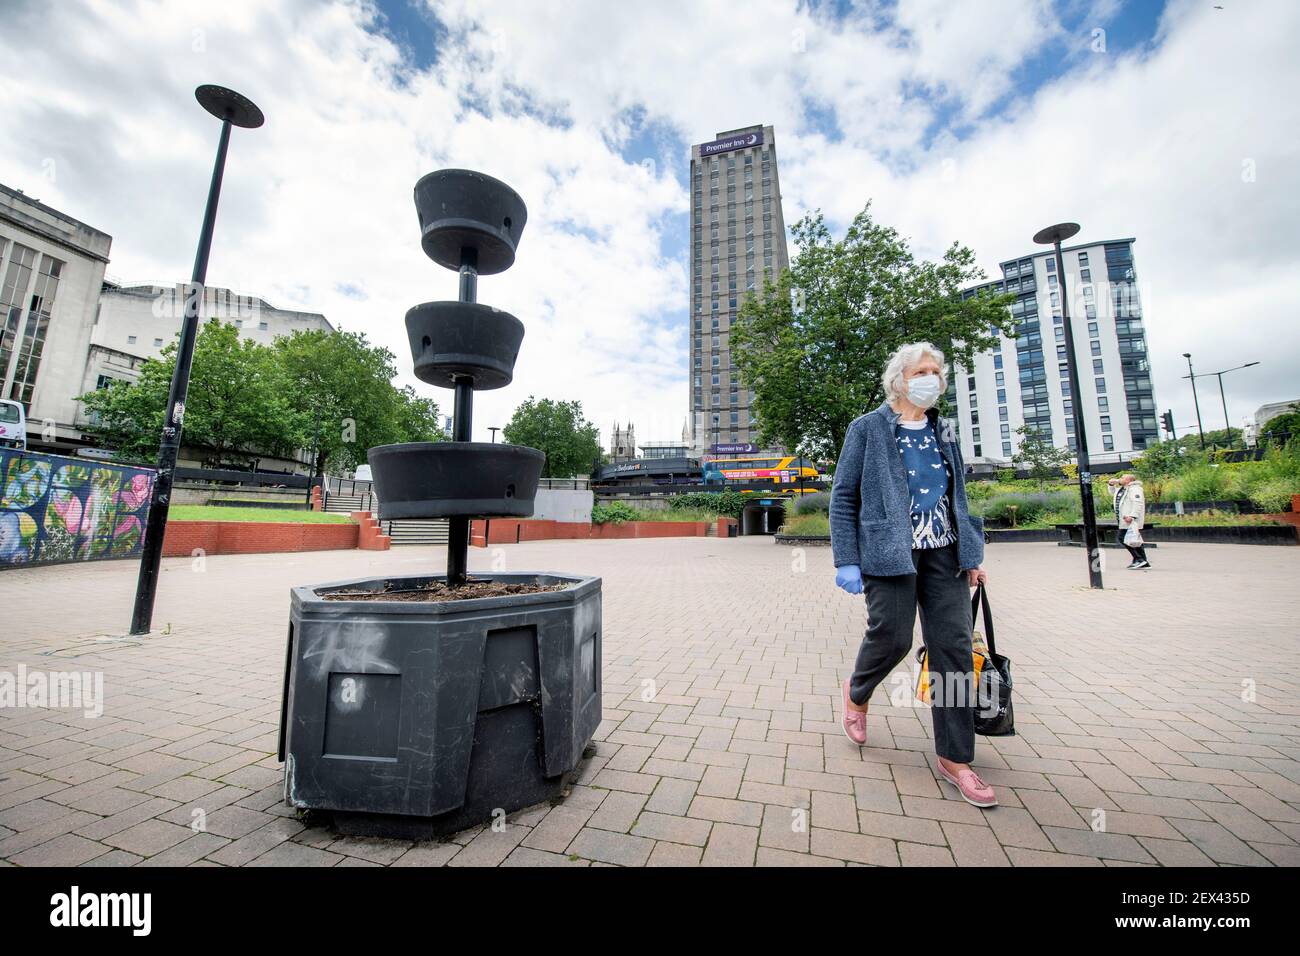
(928, 477)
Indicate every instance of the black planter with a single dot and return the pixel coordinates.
(460, 209)
(422, 718)
(451, 339)
(454, 478)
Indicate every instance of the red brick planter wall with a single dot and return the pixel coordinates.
(512, 530)
(255, 537)
(369, 537)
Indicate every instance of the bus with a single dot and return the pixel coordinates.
(782, 473)
(13, 425)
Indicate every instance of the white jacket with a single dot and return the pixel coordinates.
(1132, 504)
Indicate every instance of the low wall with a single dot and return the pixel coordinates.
(565, 505)
(202, 493)
(515, 530)
(183, 538)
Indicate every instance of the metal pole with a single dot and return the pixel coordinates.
(458, 525)
(311, 463)
(1080, 433)
(232, 109)
(1227, 422)
(169, 448)
(1195, 401)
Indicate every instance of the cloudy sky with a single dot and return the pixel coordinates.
(1177, 123)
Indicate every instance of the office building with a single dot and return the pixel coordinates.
(51, 271)
(737, 240)
(66, 330)
(1024, 380)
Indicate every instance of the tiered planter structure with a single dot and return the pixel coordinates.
(411, 717)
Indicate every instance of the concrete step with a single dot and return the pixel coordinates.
(416, 530)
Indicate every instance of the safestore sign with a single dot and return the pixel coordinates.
(732, 142)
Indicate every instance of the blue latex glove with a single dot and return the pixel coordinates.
(849, 577)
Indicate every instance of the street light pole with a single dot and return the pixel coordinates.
(1054, 235)
(1195, 401)
(233, 110)
(1227, 422)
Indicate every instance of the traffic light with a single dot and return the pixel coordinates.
(1167, 420)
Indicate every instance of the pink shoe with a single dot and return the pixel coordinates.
(854, 722)
(973, 790)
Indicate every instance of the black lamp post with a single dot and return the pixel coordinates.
(1195, 401)
(233, 110)
(1227, 422)
(1053, 235)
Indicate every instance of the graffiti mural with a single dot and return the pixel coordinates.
(55, 509)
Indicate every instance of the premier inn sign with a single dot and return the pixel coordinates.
(731, 142)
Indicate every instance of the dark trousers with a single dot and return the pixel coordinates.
(943, 597)
(1139, 553)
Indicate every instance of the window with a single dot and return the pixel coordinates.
(1002, 413)
(1060, 352)
(1101, 386)
(1098, 366)
(1002, 395)
(970, 383)
(1096, 347)
(130, 340)
(977, 451)
(1006, 449)
(1103, 403)
(1105, 423)
(1083, 259)
(975, 434)
(1108, 442)
(999, 378)
(1092, 329)
(1051, 265)
(997, 359)
(974, 400)
(157, 343)
(1006, 431)
(1085, 275)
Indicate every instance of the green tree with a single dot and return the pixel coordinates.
(1038, 455)
(571, 443)
(813, 344)
(236, 407)
(342, 389)
(1281, 427)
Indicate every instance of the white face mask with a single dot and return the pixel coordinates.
(923, 391)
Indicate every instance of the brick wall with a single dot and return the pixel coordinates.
(255, 537)
(512, 530)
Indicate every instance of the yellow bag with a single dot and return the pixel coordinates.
(979, 650)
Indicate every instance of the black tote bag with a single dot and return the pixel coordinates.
(994, 716)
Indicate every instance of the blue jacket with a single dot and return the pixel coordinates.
(871, 524)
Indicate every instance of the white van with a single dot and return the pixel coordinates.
(13, 425)
(363, 473)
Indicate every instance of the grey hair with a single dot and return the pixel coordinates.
(906, 357)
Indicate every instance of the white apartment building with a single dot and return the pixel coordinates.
(1024, 380)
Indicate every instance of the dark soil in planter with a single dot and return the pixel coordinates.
(439, 591)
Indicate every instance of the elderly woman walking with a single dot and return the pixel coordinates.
(901, 531)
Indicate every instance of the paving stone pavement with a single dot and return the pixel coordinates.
(1157, 719)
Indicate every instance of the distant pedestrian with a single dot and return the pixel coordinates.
(901, 530)
(1130, 513)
